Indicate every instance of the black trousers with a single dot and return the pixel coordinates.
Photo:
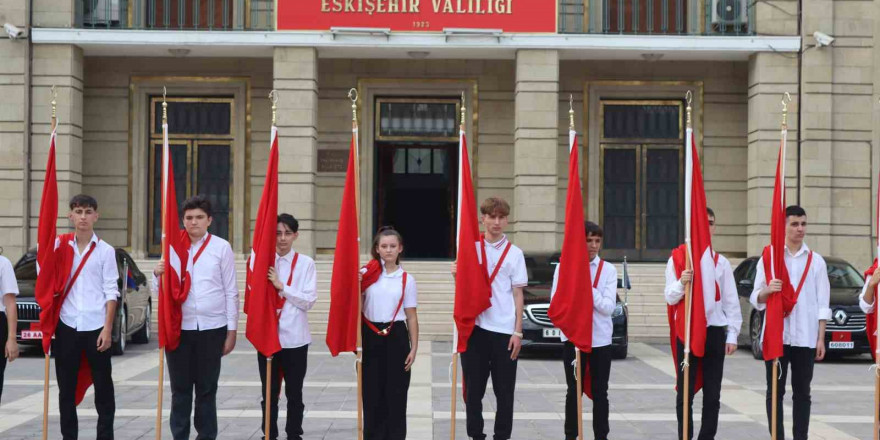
(385, 382)
(292, 362)
(195, 364)
(4, 333)
(487, 355)
(600, 370)
(801, 360)
(712, 365)
(69, 347)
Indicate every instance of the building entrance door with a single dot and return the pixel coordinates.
(642, 177)
(417, 173)
(200, 136)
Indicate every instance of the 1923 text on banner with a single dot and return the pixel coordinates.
(419, 15)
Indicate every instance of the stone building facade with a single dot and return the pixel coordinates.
(627, 92)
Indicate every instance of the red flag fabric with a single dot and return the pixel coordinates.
(261, 298)
(571, 307)
(371, 271)
(54, 262)
(871, 318)
(679, 255)
(472, 288)
(174, 283)
(698, 246)
(344, 290)
(778, 305)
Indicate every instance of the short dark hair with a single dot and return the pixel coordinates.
(83, 201)
(710, 212)
(593, 229)
(289, 220)
(795, 210)
(198, 202)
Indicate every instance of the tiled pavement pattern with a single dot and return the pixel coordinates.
(641, 397)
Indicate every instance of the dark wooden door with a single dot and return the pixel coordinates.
(417, 187)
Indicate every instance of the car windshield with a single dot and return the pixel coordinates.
(26, 271)
(844, 276)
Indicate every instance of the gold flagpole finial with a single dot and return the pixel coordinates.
(463, 109)
(353, 96)
(273, 97)
(571, 112)
(689, 99)
(786, 99)
(164, 105)
(54, 102)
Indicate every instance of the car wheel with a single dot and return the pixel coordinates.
(619, 352)
(757, 322)
(118, 347)
(142, 336)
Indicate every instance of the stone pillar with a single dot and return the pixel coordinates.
(13, 114)
(60, 65)
(770, 76)
(536, 139)
(296, 80)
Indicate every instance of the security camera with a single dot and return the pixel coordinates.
(13, 31)
(823, 39)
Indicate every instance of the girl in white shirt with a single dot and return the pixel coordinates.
(390, 338)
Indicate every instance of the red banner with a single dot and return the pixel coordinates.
(419, 15)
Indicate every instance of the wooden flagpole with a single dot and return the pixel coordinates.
(577, 352)
(353, 96)
(454, 379)
(774, 416)
(54, 123)
(161, 386)
(267, 400)
(688, 291)
(877, 344)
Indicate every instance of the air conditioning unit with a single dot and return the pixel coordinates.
(101, 12)
(730, 12)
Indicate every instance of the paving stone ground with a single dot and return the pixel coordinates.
(641, 397)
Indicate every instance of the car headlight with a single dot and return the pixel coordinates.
(618, 310)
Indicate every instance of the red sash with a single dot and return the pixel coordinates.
(803, 279)
(598, 273)
(486, 262)
(187, 283)
(717, 287)
(79, 269)
(387, 330)
(279, 300)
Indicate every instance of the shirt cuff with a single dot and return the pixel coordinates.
(867, 308)
(731, 336)
(824, 314)
(231, 325)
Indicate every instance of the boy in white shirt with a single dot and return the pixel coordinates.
(8, 316)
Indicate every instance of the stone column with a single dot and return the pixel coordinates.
(770, 76)
(60, 65)
(13, 114)
(296, 80)
(536, 139)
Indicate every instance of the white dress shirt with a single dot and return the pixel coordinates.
(85, 307)
(8, 284)
(604, 301)
(724, 313)
(299, 297)
(867, 308)
(212, 301)
(802, 325)
(382, 297)
(500, 317)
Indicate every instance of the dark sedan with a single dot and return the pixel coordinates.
(844, 333)
(132, 319)
(538, 330)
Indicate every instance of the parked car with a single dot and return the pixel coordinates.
(132, 319)
(538, 330)
(844, 333)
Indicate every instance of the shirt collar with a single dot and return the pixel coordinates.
(595, 261)
(800, 252)
(93, 240)
(287, 257)
(396, 274)
(500, 244)
(201, 240)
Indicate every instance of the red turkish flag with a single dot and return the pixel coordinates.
(871, 318)
(778, 305)
(174, 283)
(54, 262)
(571, 307)
(344, 290)
(472, 289)
(698, 249)
(260, 296)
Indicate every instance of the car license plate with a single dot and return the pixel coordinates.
(840, 345)
(552, 333)
(25, 334)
